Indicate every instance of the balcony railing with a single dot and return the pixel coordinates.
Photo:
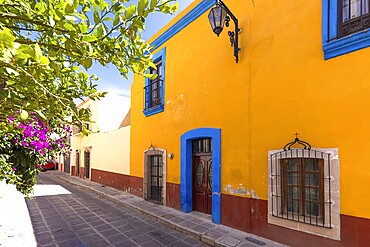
(152, 94)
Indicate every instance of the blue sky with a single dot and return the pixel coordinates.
(110, 78)
(118, 87)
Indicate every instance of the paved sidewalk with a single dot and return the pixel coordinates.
(15, 223)
(202, 229)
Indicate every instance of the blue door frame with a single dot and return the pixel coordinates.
(186, 187)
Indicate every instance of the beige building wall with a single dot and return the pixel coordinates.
(110, 151)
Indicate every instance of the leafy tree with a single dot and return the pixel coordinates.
(46, 48)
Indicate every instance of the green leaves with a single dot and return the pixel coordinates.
(6, 38)
(142, 6)
(87, 63)
(130, 11)
(89, 38)
(43, 47)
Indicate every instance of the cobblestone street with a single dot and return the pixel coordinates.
(84, 218)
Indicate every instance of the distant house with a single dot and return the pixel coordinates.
(103, 156)
(218, 137)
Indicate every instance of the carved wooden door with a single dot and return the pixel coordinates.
(202, 183)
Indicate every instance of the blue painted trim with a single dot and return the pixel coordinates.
(153, 110)
(186, 187)
(347, 44)
(338, 47)
(160, 55)
(183, 22)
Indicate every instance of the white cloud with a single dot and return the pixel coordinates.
(113, 108)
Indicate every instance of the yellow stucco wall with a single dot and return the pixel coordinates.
(281, 85)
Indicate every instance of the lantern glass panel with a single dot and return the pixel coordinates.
(217, 18)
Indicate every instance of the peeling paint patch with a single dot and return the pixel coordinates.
(241, 190)
(176, 107)
(254, 195)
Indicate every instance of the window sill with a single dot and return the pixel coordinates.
(347, 44)
(302, 219)
(154, 110)
(332, 233)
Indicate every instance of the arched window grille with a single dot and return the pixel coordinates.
(300, 181)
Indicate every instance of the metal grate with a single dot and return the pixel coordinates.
(202, 146)
(353, 16)
(152, 93)
(156, 178)
(300, 183)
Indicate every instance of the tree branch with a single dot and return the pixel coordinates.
(33, 21)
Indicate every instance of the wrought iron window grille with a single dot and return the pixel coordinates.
(353, 16)
(305, 145)
(152, 93)
(156, 178)
(300, 181)
(202, 146)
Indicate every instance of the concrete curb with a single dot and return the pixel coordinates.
(205, 230)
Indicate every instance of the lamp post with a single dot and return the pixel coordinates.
(220, 15)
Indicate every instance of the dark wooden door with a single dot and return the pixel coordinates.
(77, 163)
(202, 183)
(67, 164)
(87, 164)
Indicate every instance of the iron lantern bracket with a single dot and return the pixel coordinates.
(234, 36)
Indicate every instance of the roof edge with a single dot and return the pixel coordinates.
(184, 21)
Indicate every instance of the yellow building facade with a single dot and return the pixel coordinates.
(209, 134)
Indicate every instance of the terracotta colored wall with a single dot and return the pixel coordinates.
(173, 195)
(136, 186)
(235, 212)
(112, 179)
(250, 215)
(82, 172)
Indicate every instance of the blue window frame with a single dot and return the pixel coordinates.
(154, 89)
(335, 44)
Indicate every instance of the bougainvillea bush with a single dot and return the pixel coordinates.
(26, 142)
(46, 51)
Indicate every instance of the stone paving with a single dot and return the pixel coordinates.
(193, 225)
(84, 218)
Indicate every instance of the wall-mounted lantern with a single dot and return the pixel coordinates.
(220, 16)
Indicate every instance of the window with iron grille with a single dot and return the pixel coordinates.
(298, 186)
(304, 188)
(154, 89)
(156, 178)
(154, 182)
(345, 26)
(202, 145)
(353, 16)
